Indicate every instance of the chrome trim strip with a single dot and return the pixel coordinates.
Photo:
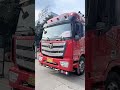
(25, 53)
(54, 44)
(52, 54)
(53, 49)
(26, 64)
(28, 43)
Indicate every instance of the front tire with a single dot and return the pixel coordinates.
(81, 68)
(112, 82)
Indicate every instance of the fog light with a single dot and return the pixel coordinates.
(13, 76)
(64, 64)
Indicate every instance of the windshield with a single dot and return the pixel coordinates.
(25, 26)
(63, 30)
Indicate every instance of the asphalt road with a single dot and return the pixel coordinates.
(4, 83)
(47, 79)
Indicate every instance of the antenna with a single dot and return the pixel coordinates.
(79, 12)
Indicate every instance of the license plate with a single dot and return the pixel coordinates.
(31, 81)
(49, 60)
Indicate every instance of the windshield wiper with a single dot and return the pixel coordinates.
(46, 38)
(63, 38)
(59, 38)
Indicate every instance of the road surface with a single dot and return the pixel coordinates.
(47, 79)
(4, 83)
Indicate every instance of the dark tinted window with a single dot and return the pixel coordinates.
(79, 30)
(117, 11)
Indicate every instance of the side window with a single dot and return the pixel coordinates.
(83, 30)
(117, 12)
(114, 12)
(79, 30)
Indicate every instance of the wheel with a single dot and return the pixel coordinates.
(113, 82)
(81, 69)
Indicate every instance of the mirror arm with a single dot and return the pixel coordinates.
(22, 11)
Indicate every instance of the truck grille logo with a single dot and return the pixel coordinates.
(50, 45)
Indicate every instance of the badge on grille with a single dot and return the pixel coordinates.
(50, 46)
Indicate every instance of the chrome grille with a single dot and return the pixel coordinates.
(25, 56)
(53, 49)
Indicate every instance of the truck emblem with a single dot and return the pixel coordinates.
(50, 46)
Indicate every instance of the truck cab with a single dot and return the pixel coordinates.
(22, 74)
(102, 45)
(63, 43)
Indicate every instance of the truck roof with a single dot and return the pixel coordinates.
(64, 18)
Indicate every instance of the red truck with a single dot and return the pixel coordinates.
(22, 74)
(102, 43)
(62, 46)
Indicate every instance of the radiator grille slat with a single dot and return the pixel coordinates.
(53, 49)
(25, 55)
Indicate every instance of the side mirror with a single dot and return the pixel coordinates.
(77, 37)
(100, 26)
(25, 15)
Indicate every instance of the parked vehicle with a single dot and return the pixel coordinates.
(63, 43)
(22, 74)
(102, 45)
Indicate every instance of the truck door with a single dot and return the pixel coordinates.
(104, 40)
(99, 45)
(78, 35)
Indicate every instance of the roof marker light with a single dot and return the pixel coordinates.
(71, 14)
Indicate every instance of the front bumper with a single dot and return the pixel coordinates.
(56, 63)
(22, 80)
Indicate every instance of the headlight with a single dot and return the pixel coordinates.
(40, 58)
(64, 64)
(13, 76)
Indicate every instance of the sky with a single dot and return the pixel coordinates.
(59, 6)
